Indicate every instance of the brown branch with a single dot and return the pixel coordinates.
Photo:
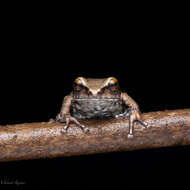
(40, 140)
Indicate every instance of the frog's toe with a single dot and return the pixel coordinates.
(116, 116)
(130, 136)
(64, 130)
(51, 120)
(62, 120)
(148, 126)
(120, 115)
(124, 114)
(86, 129)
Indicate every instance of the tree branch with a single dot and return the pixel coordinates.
(41, 140)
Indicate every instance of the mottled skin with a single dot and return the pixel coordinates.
(98, 98)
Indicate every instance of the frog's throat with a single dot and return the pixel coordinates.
(109, 99)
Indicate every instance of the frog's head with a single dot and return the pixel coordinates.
(96, 88)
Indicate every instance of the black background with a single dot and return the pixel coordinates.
(44, 50)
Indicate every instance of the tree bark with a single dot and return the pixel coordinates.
(42, 140)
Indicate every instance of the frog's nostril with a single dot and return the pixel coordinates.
(89, 93)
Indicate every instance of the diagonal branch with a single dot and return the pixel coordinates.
(41, 140)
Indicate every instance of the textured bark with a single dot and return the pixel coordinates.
(41, 140)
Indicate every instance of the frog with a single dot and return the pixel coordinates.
(98, 98)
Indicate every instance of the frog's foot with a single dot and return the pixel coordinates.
(51, 120)
(130, 136)
(85, 129)
(68, 120)
(135, 117)
(64, 130)
(61, 120)
(124, 114)
(145, 124)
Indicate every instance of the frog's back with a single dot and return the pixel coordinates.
(96, 108)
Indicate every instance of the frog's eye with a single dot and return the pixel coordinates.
(78, 81)
(113, 81)
(113, 84)
(78, 84)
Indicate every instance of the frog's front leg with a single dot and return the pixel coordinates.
(64, 115)
(134, 113)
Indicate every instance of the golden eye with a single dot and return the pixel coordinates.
(113, 81)
(78, 80)
(78, 84)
